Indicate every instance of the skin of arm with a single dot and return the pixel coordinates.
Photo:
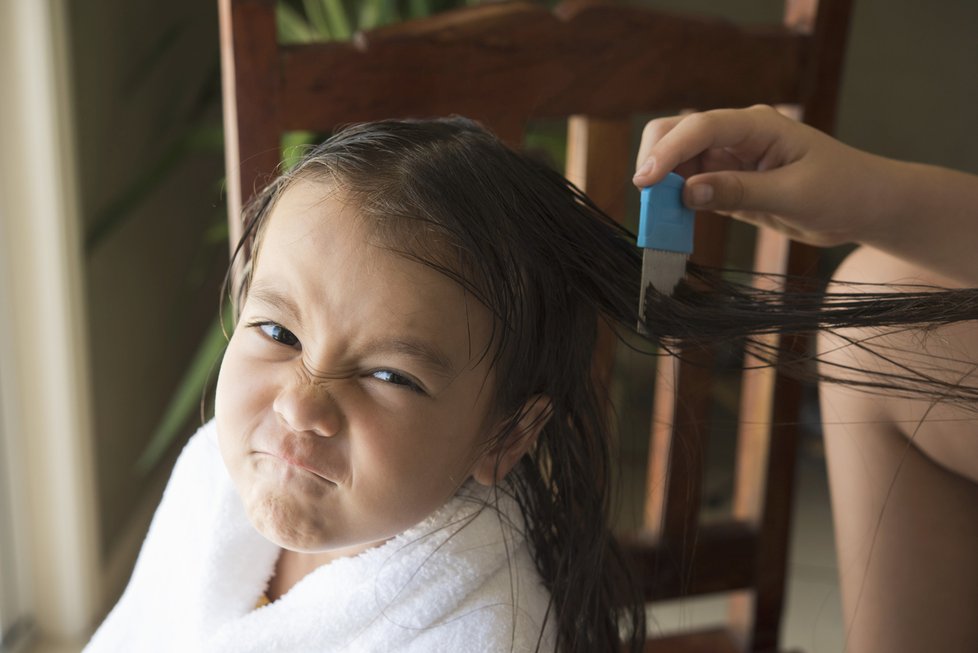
(762, 167)
(927, 215)
(903, 478)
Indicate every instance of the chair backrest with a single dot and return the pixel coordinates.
(597, 64)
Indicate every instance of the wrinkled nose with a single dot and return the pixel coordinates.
(309, 407)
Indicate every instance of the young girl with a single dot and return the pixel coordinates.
(409, 450)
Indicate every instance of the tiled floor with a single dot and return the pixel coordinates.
(813, 622)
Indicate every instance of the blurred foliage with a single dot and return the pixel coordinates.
(195, 137)
(186, 400)
(306, 21)
(187, 130)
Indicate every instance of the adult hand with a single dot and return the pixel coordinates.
(762, 167)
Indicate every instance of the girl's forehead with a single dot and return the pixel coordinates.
(320, 254)
(313, 205)
(319, 205)
(314, 233)
(323, 215)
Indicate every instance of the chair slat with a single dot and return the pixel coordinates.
(726, 556)
(249, 76)
(717, 640)
(512, 61)
(599, 161)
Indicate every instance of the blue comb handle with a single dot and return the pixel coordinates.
(664, 222)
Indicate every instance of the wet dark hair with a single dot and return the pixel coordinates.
(713, 305)
(551, 268)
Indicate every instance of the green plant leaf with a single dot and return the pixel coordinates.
(292, 26)
(369, 16)
(123, 207)
(548, 137)
(218, 232)
(141, 72)
(186, 399)
(318, 19)
(294, 145)
(418, 8)
(338, 20)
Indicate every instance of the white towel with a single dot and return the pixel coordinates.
(461, 580)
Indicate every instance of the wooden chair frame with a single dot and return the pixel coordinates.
(583, 60)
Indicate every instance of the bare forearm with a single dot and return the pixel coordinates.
(926, 215)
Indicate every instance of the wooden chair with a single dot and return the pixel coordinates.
(597, 64)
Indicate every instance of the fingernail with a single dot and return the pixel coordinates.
(701, 194)
(645, 168)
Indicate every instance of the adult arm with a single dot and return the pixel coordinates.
(762, 167)
(903, 475)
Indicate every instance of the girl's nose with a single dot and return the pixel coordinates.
(308, 407)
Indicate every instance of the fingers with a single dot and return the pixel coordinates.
(651, 135)
(731, 191)
(668, 143)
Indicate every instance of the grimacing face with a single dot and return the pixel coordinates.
(353, 399)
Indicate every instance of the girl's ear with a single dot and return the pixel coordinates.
(496, 462)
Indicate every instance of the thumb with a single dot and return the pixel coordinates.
(733, 191)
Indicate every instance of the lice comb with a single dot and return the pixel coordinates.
(665, 233)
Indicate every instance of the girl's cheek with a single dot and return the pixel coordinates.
(242, 379)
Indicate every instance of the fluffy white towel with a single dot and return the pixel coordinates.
(461, 580)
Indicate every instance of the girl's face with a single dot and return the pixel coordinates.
(353, 399)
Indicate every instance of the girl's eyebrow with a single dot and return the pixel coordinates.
(275, 299)
(424, 352)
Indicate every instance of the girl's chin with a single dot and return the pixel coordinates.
(285, 541)
(319, 550)
(288, 522)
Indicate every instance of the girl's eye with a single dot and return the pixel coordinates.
(278, 333)
(395, 378)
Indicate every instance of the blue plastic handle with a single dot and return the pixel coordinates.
(664, 221)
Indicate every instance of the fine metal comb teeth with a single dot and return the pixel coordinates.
(665, 233)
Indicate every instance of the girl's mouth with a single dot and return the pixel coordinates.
(291, 451)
